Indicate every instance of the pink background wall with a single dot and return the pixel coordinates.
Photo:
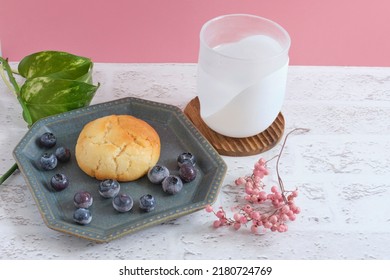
(331, 32)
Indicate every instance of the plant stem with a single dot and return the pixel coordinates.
(7, 83)
(14, 87)
(280, 155)
(11, 77)
(8, 173)
(16, 90)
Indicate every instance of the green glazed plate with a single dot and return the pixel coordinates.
(177, 135)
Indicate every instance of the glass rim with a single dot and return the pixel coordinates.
(278, 26)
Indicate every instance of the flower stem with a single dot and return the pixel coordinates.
(8, 173)
(280, 155)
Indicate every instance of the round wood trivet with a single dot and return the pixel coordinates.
(230, 146)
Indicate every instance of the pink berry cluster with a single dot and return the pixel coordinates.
(261, 210)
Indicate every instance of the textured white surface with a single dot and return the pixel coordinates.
(341, 168)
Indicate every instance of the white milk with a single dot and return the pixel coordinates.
(252, 47)
(242, 91)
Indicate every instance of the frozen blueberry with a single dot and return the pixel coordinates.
(48, 161)
(48, 140)
(83, 199)
(82, 216)
(172, 184)
(59, 182)
(147, 202)
(62, 154)
(186, 158)
(109, 188)
(122, 202)
(187, 172)
(157, 174)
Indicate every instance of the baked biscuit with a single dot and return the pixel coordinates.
(119, 147)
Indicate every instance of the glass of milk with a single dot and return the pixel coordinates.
(242, 72)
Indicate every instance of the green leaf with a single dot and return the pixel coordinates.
(46, 96)
(61, 65)
(56, 82)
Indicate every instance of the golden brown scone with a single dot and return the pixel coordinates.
(119, 147)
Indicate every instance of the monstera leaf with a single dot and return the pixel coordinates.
(55, 82)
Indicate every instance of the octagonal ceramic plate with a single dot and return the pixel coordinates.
(177, 135)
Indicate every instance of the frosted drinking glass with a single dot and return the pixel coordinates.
(242, 73)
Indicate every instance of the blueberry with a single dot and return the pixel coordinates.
(122, 202)
(83, 199)
(109, 188)
(48, 161)
(47, 140)
(172, 184)
(147, 202)
(62, 154)
(59, 182)
(157, 174)
(82, 216)
(186, 158)
(187, 172)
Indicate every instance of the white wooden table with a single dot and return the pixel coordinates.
(341, 167)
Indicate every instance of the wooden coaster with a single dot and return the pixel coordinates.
(230, 146)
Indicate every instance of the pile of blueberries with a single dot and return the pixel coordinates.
(172, 184)
(49, 161)
(122, 202)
